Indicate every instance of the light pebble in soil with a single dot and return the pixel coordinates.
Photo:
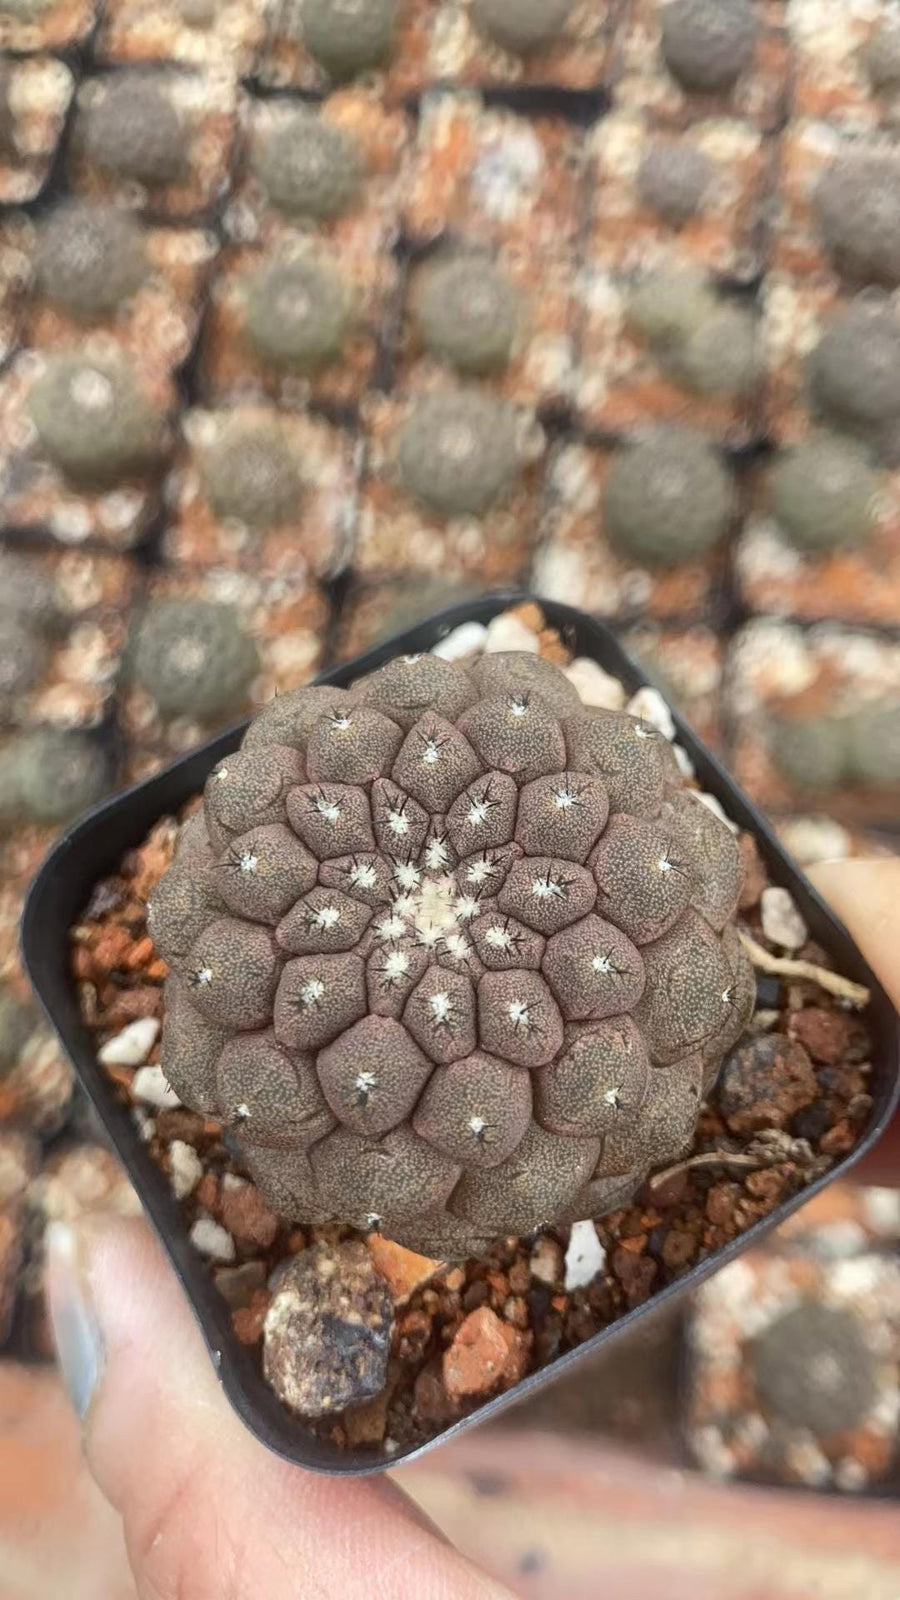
(781, 921)
(463, 641)
(132, 1046)
(151, 1086)
(506, 632)
(185, 1168)
(596, 687)
(585, 1256)
(212, 1240)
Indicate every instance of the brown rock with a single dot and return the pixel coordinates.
(635, 1273)
(367, 1424)
(839, 1140)
(679, 1248)
(403, 1271)
(249, 1322)
(765, 1082)
(245, 1214)
(825, 1034)
(328, 1330)
(432, 1403)
(483, 1355)
(238, 1285)
(720, 1203)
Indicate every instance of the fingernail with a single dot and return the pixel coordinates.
(75, 1328)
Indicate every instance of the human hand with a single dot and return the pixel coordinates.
(208, 1512)
(866, 897)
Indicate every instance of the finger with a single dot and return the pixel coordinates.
(209, 1513)
(866, 897)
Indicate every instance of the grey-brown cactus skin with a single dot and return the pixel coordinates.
(453, 956)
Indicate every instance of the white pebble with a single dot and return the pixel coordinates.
(684, 763)
(212, 1241)
(547, 1260)
(463, 641)
(596, 687)
(651, 707)
(781, 921)
(714, 804)
(585, 1256)
(132, 1046)
(150, 1085)
(508, 633)
(185, 1168)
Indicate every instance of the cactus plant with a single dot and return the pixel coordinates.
(451, 955)
(668, 498)
(855, 368)
(93, 418)
(458, 453)
(813, 1369)
(857, 202)
(349, 36)
(90, 258)
(521, 26)
(309, 167)
(673, 180)
(823, 493)
(467, 313)
(298, 313)
(133, 131)
(251, 476)
(48, 775)
(193, 657)
(706, 44)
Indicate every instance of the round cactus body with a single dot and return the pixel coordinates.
(668, 498)
(194, 658)
(49, 775)
(458, 453)
(90, 258)
(309, 167)
(707, 44)
(521, 26)
(855, 368)
(252, 477)
(814, 1370)
(823, 495)
(467, 313)
(674, 179)
(349, 36)
(25, 10)
(94, 420)
(451, 954)
(298, 314)
(135, 132)
(668, 307)
(858, 206)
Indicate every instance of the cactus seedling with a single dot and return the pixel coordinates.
(674, 179)
(522, 26)
(813, 1370)
(94, 420)
(251, 476)
(855, 368)
(469, 937)
(858, 206)
(90, 258)
(706, 44)
(349, 36)
(298, 314)
(194, 658)
(49, 775)
(458, 453)
(823, 494)
(133, 131)
(309, 167)
(668, 498)
(467, 313)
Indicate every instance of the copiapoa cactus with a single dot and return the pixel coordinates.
(451, 955)
(193, 657)
(521, 26)
(674, 179)
(309, 167)
(467, 313)
(90, 258)
(134, 131)
(349, 36)
(707, 43)
(668, 498)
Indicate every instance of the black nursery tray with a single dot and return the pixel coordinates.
(93, 849)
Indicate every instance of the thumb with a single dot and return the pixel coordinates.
(208, 1511)
(866, 897)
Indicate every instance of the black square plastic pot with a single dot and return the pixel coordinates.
(93, 849)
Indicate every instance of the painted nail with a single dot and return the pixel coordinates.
(75, 1328)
